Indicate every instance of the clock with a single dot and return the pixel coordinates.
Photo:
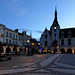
(54, 27)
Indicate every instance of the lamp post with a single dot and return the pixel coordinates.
(27, 48)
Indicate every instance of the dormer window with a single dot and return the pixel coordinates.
(62, 34)
(45, 36)
(69, 34)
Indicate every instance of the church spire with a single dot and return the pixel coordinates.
(55, 13)
(55, 22)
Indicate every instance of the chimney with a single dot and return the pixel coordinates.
(16, 30)
(24, 32)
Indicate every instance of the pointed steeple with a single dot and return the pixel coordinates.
(55, 22)
(45, 27)
(55, 13)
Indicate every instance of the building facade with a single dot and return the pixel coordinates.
(57, 39)
(9, 38)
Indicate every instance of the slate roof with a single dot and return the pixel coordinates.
(66, 30)
(20, 34)
(55, 23)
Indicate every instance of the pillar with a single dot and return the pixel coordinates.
(4, 49)
(11, 48)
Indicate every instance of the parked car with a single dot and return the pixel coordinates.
(5, 56)
(30, 54)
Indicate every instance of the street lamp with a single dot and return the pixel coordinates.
(42, 46)
(33, 44)
(27, 48)
(38, 43)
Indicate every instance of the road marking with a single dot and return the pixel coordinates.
(49, 60)
(22, 65)
(53, 66)
(38, 74)
(16, 70)
(32, 65)
(70, 71)
(42, 70)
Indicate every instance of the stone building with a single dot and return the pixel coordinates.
(57, 39)
(10, 38)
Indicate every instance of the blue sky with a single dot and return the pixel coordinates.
(35, 15)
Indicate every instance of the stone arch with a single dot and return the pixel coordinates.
(55, 43)
(62, 50)
(33, 50)
(48, 50)
(15, 50)
(8, 50)
(0, 43)
(1, 49)
(69, 50)
(55, 50)
(43, 50)
(25, 49)
(21, 49)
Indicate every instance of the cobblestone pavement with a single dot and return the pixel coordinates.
(44, 64)
(64, 59)
(17, 60)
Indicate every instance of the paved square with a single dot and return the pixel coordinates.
(44, 64)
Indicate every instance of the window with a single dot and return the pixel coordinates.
(22, 38)
(69, 34)
(16, 36)
(62, 34)
(13, 42)
(45, 36)
(13, 36)
(6, 40)
(6, 34)
(62, 42)
(54, 30)
(10, 41)
(19, 37)
(10, 35)
(45, 43)
(16, 42)
(69, 41)
(55, 35)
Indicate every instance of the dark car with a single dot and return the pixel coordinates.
(5, 56)
(30, 54)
